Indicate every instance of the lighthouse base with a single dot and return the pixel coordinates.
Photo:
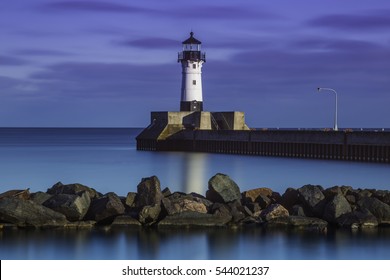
(191, 106)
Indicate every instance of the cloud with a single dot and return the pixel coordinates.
(89, 6)
(40, 52)
(221, 12)
(151, 43)
(378, 20)
(12, 61)
(107, 80)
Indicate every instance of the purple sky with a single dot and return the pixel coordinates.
(110, 62)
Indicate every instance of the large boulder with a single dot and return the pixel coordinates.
(78, 189)
(104, 209)
(312, 199)
(73, 206)
(221, 188)
(378, 208)
(28, 213)
(149, 192)
(194, 219)
(337, 206)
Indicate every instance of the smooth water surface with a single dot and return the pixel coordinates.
(106, 159)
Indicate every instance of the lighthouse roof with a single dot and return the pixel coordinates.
(192, 40)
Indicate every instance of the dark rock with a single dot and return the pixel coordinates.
(298, 222)
(290, 198)
(312, 199)
(166, 192)
(73, 206)
(264, 201)
(149, 192)
(274, 211)
(104, 209)
(333, 191)
(60, 188)
(220, 209)
(337, 206)
(297, 210)
(125, 221)
(255, 208)
(237, 211)
(28, 213)
(20, 194)
(350, 198)
(149, 214)
(382, 195)
(40, 197)
(131, 199)
(194, 219)
(358, 219)
(378, 208)
(222, 189)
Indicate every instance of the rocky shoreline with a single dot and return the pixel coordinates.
(309, 207)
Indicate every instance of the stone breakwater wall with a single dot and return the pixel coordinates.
(224, 205)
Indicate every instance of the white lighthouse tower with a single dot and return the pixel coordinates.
(191, 59)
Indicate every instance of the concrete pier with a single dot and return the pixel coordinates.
(368, 146)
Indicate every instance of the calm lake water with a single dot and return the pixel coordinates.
(106, 159)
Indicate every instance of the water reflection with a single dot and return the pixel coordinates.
(194, 172)
(249, 243)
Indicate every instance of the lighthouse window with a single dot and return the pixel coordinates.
(194, 66)
(194, 82)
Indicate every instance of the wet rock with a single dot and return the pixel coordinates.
(194, 219)
(81, 225)
(357, 219)
(298, 222)
(78, 189)
(149, 214)
(28, 213)
(221, 188)
(312, 199)
(125, 221)
(337, 206)
(149, 192)
(104, 209)
(378, 208)
(274, 211)
(73, 206)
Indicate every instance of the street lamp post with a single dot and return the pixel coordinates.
(335, 128)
